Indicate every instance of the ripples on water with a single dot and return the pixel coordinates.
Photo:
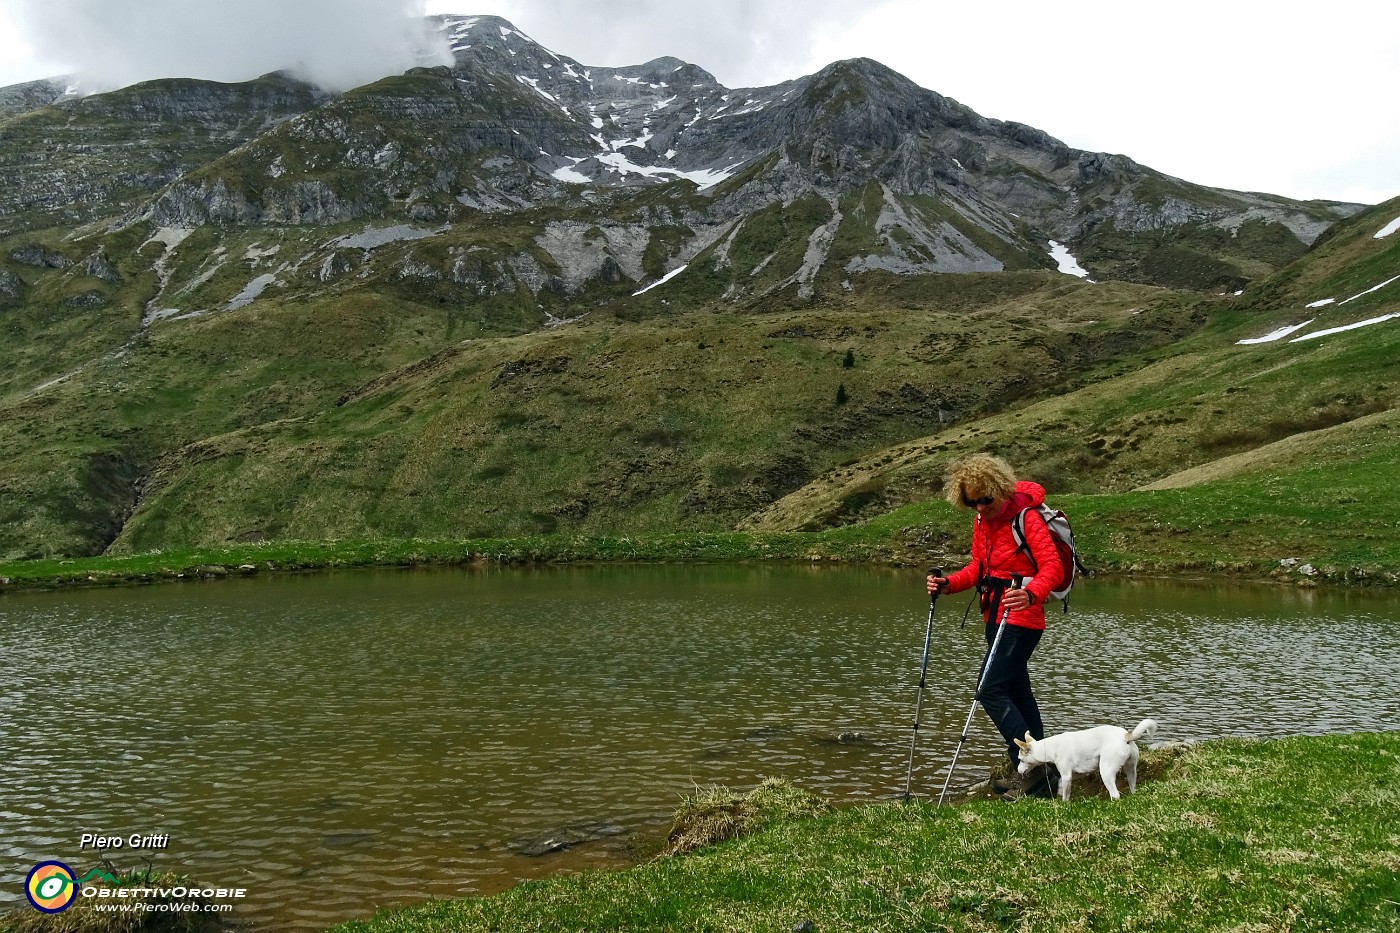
(338, 742)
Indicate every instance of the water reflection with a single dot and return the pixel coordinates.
(338, 742)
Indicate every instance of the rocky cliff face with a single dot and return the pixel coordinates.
(83, 158)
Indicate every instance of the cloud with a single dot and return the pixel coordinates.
(338, 44)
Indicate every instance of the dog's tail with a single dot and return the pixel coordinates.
(1145, 729)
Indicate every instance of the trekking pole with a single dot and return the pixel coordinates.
(986, 666)
(923, 675)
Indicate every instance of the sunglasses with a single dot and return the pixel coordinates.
(972, 503)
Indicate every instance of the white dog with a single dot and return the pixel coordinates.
(1108, 748)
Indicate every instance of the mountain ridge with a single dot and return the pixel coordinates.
(560, 123)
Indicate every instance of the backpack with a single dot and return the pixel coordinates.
(1063, 537)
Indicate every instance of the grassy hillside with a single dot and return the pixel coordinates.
(361, 414)
(1314, 508)
(1144, 417)
(377, 406)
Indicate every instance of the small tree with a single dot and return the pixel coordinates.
(850, 359)
(841, 395)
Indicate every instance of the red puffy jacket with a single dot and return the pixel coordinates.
(994, 553)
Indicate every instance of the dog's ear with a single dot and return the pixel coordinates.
(1026, 745)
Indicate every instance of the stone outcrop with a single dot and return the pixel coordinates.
(10, 285)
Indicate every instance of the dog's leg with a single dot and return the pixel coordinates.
(1132, 768)
(1066, 775)
(1108, 770)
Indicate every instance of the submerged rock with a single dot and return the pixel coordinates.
(566, 837)
(844, 738)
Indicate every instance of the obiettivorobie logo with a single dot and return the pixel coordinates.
(51, 887)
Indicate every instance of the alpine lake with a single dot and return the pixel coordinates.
(337, 742)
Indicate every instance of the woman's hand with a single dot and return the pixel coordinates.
(1016, 600)
(937, 585)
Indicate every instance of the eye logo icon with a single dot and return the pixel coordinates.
(50, 887)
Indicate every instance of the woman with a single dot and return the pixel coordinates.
(988, 485)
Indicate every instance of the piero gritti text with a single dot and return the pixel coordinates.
(134, 841)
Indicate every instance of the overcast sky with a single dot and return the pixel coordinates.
(1290, 98)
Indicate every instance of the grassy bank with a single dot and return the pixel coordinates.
(1334, 523)
(1296, 834)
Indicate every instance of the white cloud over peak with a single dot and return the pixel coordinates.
(338, 44)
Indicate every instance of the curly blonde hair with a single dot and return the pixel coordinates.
(977, 476)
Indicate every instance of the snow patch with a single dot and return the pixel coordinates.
(535, 83)
(665, 278)
(462, 27)
(1373, 288)
(705, 178)
(1277, 334)
(640, 142)
(1321, 304)
(1387, 230)
(1067, 263)
(571, 174)
(1338, 330)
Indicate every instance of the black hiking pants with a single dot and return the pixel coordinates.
(1006, 694)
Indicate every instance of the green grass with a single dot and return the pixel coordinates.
(1141, 417)
(356, 414)
(1295, 834)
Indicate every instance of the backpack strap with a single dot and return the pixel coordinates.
(1018, 531)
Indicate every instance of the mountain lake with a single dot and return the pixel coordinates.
(336, 742)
